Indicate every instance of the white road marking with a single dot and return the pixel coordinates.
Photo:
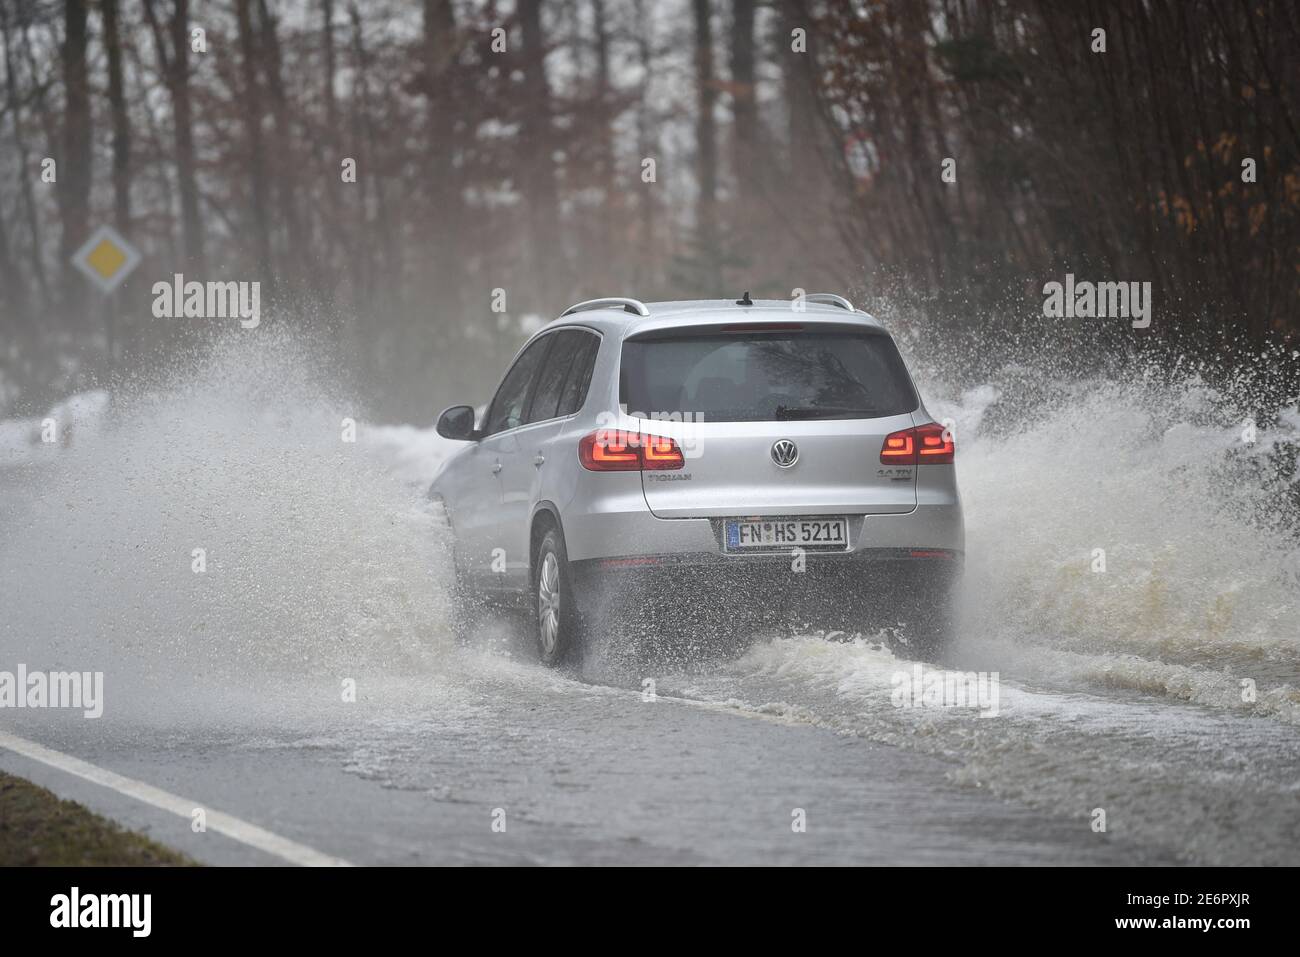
(231, 827)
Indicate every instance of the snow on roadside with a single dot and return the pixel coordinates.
(21, 439)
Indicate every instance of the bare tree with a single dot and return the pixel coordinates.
(251, 90)
(744, 108)
(537, 166)
(74, 171)
(604, 150)
(121, 120)
(647, 148)
(14, 286)
(706, 145)
(328, 67)
(439, 51)
(286, 151)
(174, 62)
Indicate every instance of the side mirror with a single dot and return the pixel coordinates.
(457, 423)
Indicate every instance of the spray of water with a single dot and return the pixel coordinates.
(1121, 532)
(218, 533)
(1135, 534)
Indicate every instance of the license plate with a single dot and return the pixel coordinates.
(830, 533)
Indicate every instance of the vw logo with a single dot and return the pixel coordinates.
(785, 453)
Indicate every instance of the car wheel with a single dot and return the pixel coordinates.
(558, 624)
(928, 631)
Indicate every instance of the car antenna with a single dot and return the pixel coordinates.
(745, 300)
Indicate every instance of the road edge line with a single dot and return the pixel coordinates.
(232, 827)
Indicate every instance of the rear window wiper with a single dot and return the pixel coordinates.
(819, 412)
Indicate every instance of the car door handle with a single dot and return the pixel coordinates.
(496, 467)
(538, 459)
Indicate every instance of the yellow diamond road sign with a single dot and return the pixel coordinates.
(106, 258)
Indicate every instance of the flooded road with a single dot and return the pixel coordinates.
(269, 608)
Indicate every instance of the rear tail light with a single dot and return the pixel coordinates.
(614, 450)
(609, 451)
(935, 444)
(660, 452)
(899, 448)
(924, 445)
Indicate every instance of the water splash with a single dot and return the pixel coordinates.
(319, 563)
(1128, 534)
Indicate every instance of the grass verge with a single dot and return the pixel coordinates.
(37, 829)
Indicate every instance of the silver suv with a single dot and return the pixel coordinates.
(706, 466)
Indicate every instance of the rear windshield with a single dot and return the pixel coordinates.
(762, 376)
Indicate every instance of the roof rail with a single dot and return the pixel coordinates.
(634, 306)
(830, 299)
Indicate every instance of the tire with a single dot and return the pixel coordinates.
(557, 623)
(914, 609)
(929, 631)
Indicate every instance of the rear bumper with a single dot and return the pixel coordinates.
(878, 586)
(634, 532)
(622, 554)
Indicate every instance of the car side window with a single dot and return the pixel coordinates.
(579, 379)
(507, 409)
(554, 376)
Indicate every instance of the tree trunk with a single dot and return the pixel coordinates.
(446, 217)
(13, 292)
(327, 80)
(29, 204)
(612, 211)
(536, 161)
(799, 86)
(121, 145)
(120, 120)
(252, 114)
(175, 67)
(74, 164)
(646, 255)
(706, 151)
(285, 152)
(186, 174)
(744, 107)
